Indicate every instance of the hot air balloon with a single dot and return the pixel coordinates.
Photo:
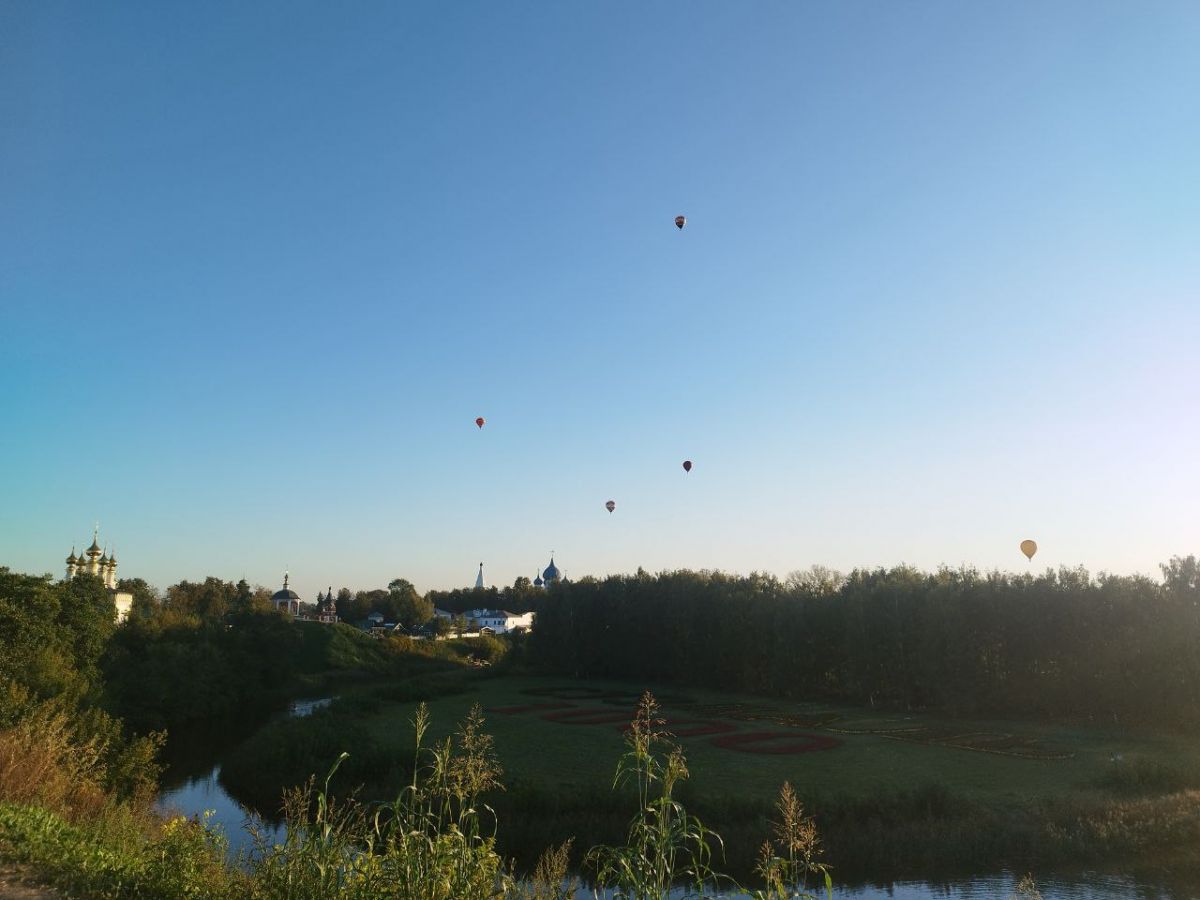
(480, 421)
(610, 505)
(1028, 548)
(680, 221)
(687, 465)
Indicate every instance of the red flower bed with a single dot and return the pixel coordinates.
(529, 707)
(774, 742)
(586, 716)
(693, 727)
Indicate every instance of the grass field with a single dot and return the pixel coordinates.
(917, 750)
(894, 795)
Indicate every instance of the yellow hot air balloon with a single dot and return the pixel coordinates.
(1028, 548)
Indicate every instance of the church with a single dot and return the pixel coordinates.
(94, 561)
(550, 576)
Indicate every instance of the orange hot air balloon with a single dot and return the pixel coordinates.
(480, 421)
(680, 221)
(610, 505)
(1028, 548)
(687, 465)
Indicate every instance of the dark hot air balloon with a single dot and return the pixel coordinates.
(687, 465)
(1028, 548)
(680, 221)
(610, 505)
(480, 421)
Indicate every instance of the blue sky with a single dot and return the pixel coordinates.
(262, 265)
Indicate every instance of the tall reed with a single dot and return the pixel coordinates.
(786, 865)
(665, 846)
(434, 841)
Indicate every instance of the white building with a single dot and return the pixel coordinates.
(500, 621)
(99, 563)
(286, 600)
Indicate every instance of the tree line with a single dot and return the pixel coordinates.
(1061, 644)
(202, 649)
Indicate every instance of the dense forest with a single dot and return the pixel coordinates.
(1063, 644)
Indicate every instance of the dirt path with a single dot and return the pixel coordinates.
(16, 885)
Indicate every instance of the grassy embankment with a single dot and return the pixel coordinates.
(77, 812)
(912, 795)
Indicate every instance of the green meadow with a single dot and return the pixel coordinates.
(876, 751)
(893, 794)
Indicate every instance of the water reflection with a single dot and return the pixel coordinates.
(202, 794)
(192, 786)
(1079, 886)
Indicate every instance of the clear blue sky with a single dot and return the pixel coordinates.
(262, 265)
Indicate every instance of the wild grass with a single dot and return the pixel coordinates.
(787, 863)
(434, 841)
(75, 807)
(1138, 776)
(664, 844)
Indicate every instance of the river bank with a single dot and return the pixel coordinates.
(915, 842)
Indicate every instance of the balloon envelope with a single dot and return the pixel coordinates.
(687, 465)
(1028, 548)
(680, 221)
(480, 421)
(610, 506)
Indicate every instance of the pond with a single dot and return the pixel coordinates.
(191, 787)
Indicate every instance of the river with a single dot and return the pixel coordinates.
(191, 784)
(191, 787)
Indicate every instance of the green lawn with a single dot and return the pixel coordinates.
(582, 755)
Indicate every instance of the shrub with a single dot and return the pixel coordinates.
(181, 859)
(664, 844)
(435, 841)
(284, 755)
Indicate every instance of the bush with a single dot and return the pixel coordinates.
(435, 841)
(1138, 777)
(284, 755)
(182, 859)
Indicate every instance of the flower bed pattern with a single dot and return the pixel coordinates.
(744, 712)
(613, 696)
(528, 707)
(692, 727)
(566, 692)
(876, 726)
(559, 708)
(775, 742)
(586, 716)
(997, 743)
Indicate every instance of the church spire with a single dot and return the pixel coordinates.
(479, 582)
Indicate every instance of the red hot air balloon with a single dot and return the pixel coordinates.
(680, 221)
(687, 465)
(480, 421)
(610, 505)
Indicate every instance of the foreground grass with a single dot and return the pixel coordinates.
(450, 829)
(112, 858)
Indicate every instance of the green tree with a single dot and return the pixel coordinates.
(146, 598)
(33, 654)
(352, 608)
(87, 617)
(405, 606)
(209, 600)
